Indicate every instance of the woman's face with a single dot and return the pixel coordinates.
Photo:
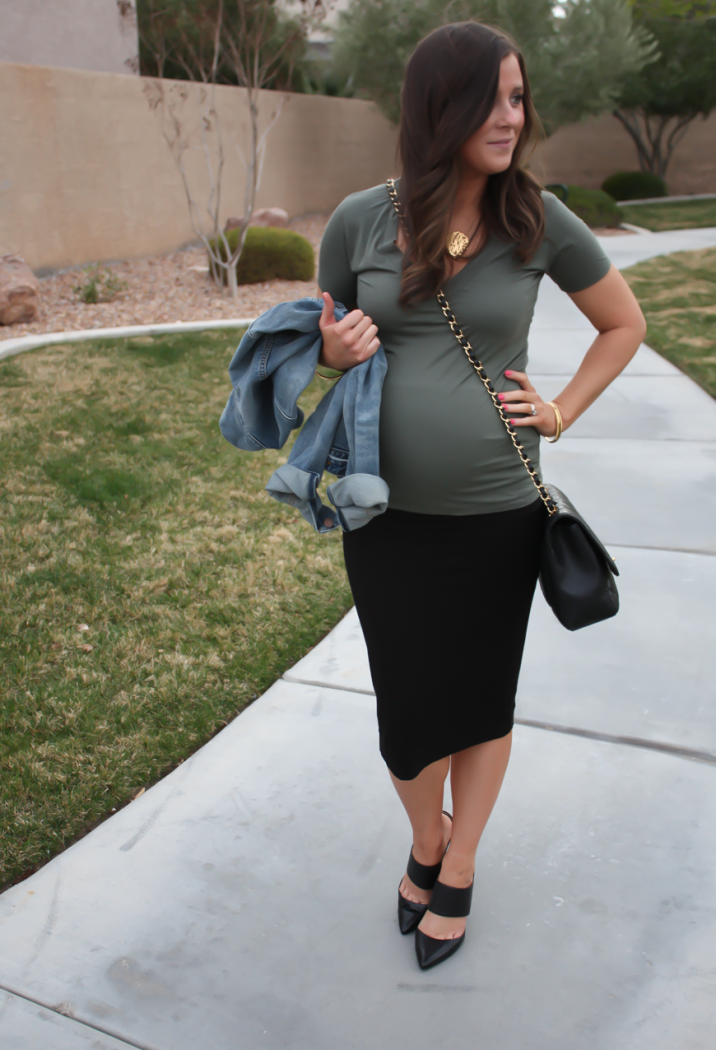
(489, 149)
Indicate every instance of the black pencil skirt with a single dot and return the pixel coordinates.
(444, 602)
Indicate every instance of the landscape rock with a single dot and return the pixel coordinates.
(261, 217)
(19, 291)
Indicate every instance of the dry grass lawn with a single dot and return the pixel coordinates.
(678, 296)
(151, 589)
(681, 215)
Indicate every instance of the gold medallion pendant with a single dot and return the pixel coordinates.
(457, 244)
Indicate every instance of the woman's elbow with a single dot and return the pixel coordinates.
(638, 323)
(635, 323)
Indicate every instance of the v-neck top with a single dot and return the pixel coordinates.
(443, 446)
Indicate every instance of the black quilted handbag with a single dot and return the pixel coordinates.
(576, 571)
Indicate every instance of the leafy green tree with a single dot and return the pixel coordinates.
(660, 101)
(580, 65)
(578, 52)
(177, 40)
(692, 9)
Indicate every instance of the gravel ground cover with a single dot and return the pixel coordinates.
(172, 287)
(678, 296)
(151, 589)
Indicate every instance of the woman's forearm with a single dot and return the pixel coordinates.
(612, 309)
(608, 355)
(615, 313)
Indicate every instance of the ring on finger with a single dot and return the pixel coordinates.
(533, 410)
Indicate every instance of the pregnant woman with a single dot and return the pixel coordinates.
(443, 581)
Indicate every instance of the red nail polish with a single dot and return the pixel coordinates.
(501, 397)
(508, 372)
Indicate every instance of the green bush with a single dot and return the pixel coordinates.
(99, 286)
(269, 252)
(559, 189)
(634, 185)
(595, 207)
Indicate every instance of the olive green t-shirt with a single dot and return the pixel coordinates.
(443, 446)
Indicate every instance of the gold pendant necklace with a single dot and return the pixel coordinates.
(457, 244)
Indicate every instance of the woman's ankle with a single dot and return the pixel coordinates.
(429, 851)
(457, 871)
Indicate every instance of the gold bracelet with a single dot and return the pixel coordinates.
(558, 417)
(332, 378)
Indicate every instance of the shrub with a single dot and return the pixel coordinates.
(633, 185)
(595, 207)
(99, 286)
(269, 252)
(559, 190)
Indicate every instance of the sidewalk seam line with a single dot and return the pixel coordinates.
(678, 750)
(324, 685)
(87, 1024)
(673, 550)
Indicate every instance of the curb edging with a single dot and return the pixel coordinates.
(10, 347)
(683, 199)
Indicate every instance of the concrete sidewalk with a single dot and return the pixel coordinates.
(248, 900)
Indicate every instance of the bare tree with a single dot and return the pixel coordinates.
(244, 42)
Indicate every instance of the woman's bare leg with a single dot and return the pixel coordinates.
(423, 801)
(476, 776)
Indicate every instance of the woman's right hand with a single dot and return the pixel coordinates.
(348, 342)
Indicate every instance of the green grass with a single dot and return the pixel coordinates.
(678, 296)
(123, 509)
(687, 215)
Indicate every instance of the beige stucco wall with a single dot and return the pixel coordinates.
(86, 175)
(75, 34)
(587, 153)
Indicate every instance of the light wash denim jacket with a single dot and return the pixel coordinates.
(273, 365)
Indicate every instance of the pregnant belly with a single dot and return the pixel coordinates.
(447, 452)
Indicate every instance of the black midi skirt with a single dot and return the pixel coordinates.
(444, 602)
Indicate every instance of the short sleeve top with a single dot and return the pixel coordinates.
(443, 447)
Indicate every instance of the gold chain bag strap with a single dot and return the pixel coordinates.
(484, 378)
(577, 572)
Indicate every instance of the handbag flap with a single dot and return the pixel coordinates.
(566, 509)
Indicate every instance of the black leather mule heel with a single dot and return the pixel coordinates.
(453, 903)
(424, 876)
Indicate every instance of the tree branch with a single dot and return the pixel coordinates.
(630, 121)
(246, 36)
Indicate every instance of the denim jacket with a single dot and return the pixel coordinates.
(275, 362)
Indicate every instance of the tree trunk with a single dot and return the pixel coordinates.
(655, 144)
(231, 280)
(254, 169)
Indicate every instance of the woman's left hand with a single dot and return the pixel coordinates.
(537, 413)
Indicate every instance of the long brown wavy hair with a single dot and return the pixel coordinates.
(449, 90)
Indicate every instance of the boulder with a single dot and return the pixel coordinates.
(261, 217)
(19, 291)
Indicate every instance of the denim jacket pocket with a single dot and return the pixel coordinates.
(337, 462)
